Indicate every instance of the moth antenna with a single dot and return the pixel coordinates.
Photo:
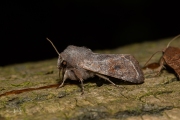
(173, 40)
(151, 58)
(53, 46)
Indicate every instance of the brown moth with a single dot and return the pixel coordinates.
(171, 58)
(80, 63)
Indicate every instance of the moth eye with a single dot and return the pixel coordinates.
(64, 63)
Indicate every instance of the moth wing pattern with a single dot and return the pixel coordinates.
(120, 66)
(172, 58)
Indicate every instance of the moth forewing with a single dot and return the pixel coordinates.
(171, 57)
(120, 66)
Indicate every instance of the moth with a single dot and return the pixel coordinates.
(80, 63)
(170, 57)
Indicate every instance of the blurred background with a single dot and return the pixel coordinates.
(97, 25)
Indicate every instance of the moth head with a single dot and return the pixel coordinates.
(61, 63)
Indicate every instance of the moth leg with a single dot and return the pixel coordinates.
(106, 78)
(162, 62)
(64, 78)
(79, 76)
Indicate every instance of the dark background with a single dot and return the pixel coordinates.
(97, 25)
